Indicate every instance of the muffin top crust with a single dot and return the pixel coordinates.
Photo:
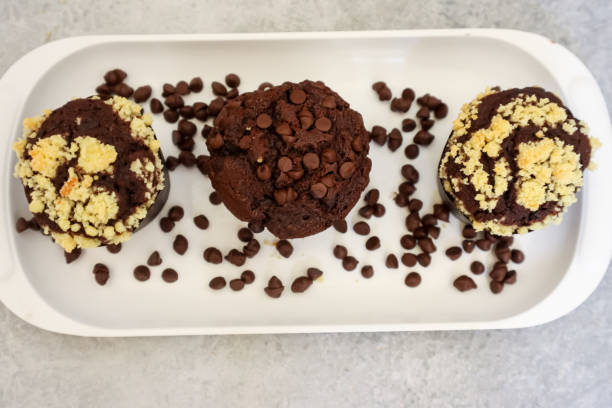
(514, 160)
(90, 169)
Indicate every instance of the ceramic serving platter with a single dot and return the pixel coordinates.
(563, 264)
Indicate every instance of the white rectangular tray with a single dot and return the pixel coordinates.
(564, 263)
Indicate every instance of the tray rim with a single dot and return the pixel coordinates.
(18, 295)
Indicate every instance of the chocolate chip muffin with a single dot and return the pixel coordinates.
(514, 160)
(92, 171)
(294, 157)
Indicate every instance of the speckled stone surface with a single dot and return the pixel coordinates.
(566, 363)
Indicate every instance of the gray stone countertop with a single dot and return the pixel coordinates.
(566, 363)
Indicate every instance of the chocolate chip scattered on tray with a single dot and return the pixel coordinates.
(217, 283)
(301, 284)
(113, 248)
(176, 213)
(379, 135)
(142, 273)
(477, 268)
(367, 271)
(424, 259)
(196, 84)
(180, 244)
(383, 91)
(72, 256)
(349, 263)
(361, 228)
(166, 224)
(101, 273)
(169, 275)
(498, 273)
(256, 226)
(483, 244)
(408, 125)
(314, 273)
(517, 256)
(251, 248)
(155, 259)
(411, 151)
(409, 259)
(503, 253)
(245, 234)
(213, 255)
(340, 251)
(275, 287)
(247, 276)
(453, 253)
(496, 287)
(464, 283)
(235, 257)
(214, 198)
(21, 224)
(232, 80)
(236, 284)
(510, 277)
(201, 221)
(141, 94)
(391, 261)
(413, 279)
(372, 243)
(468, 245)
(284, 248)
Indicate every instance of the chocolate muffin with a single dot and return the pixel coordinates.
(92, 171)
(294, 157)
(514, 160)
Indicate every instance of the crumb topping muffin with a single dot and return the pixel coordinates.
(514, 160)
(293, 157)
(91, 170)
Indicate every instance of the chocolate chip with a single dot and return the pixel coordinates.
(186, 128)
(383, 91)
(510, 277)
(142, 273)
(263, 121)
(284, 248)
(275, 287)
(187, 112)
(429, 100)
(477, 268)
(235, 257)
(200, 111)
(215, 106)
(420, 233)
(433, 232)
(311, 161)
(196, 84)
(429, 220)
(413, 279)
(409, 259)
(361, 228)
(407, 188)
(379, 210)
(407, 241)
(182, 88)
(408, 125)
(174, 101)
(167, 90)
(247, 276)
(340, 251)
(280, 196)
(424, 259)
(217, 283)
(201, 221)
(171, 163)
(213, 255)
(468, 245)
(114, 76)
(490, 237)
(180, 244)
(251, 248)
(503, 254)
(367, 271)
(441, 111)
(505, 241)
(517, 256)
(169, 275)
(171, 116)
(323, 124)
(347, 169)
(423, 138)
(415, 205)
(256, 226)
(101, 273)
(314, 273)
(232, 80)
(72, 256)
(400, 105)
(318, 190)
(300, 284)
(349, 263)
(496, 287)
(408, 94)
(391, 261)
(156, 106)
(423, 113)
(463, 283)
(441, 212)
(236, 284)
(453, 253)
(372, 243)
(218, 88)
(426, 124)
(306, 119)
(176, 213)
(484, 244)
(245, 234)
(124, 90)
(166, 224)
(142, 93)
(413, 222)
(113, 248)
(372, 196)
(379, 135)
(498, 273)
(469, 232)
(410, 173)
(340, 226)
(154, 259)
(21, 225)
(103, 90)
(395, 140)
(401, 200)
(215, 199)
